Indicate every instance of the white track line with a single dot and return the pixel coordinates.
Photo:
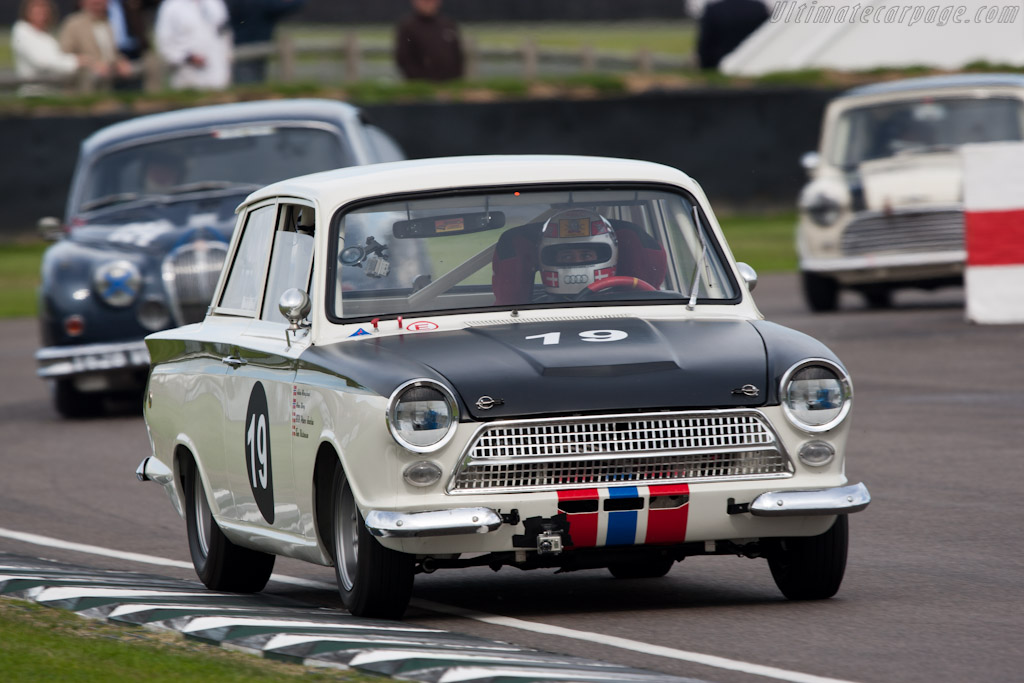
(507, 622)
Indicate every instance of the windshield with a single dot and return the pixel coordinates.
(524, 248)
(243, 156)
(926, 124)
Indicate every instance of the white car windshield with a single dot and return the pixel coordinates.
(243, 156)
(523, 248)
(922, 125)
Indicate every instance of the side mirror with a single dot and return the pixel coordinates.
(49, 228)
(294, 305)
(810, 161)
(748, 274)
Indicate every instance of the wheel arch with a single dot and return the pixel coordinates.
(328, 459)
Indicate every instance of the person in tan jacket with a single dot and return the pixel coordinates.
(87, 33)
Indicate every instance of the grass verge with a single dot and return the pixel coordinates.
(41, 643)
(19, 278)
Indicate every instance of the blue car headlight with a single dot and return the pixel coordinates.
(117, 283)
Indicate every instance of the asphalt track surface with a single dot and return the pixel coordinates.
(934, 589)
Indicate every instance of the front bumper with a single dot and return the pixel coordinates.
(67, 361)
(881, 268)
(842, 500)
(478, 520)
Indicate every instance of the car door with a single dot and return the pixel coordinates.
(260, 395)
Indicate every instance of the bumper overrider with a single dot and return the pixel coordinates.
(67, 361)
(841, 500)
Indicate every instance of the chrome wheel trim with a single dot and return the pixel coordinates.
(346, 537)
(204, 518)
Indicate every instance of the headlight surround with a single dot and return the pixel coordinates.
(422, 415)
(824, 210)
(816, 395)
(117, 283)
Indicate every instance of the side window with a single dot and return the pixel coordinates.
(291, 259)
(245, 281)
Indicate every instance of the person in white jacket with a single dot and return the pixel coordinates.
(37, 54)
(194, 38)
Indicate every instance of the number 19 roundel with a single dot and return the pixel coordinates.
(257, 452)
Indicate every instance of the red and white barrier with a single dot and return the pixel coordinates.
(994, 207)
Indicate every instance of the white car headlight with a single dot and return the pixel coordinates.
(422, 415)
(117, 283)
(824, 210)
(816, 395)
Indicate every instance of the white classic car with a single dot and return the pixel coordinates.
(884, 207)
(535, 361)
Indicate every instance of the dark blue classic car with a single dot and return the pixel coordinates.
(148, 220)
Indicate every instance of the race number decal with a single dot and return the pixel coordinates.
(257, 452)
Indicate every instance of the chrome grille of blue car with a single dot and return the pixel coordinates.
(561, 453)
(190, 275)
(904, 231)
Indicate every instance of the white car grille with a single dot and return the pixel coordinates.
(190, 275)
(922, 231)
(562, 453)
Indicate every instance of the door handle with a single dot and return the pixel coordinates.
(233, 361)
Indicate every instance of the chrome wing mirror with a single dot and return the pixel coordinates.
(294, 305)
(748, 274)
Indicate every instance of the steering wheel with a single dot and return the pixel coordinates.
(619, 281)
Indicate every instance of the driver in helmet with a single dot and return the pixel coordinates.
(578, 248)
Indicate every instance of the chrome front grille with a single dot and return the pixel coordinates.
(539, 455)
(923, 231)
(190, 275)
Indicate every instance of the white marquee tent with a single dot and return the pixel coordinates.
(866, 34)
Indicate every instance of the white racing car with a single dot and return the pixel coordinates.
(577, 378)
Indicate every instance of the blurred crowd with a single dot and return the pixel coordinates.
(189, 44)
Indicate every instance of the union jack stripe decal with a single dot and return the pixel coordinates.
(626, 515)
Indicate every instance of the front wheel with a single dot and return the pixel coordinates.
(220, 564)
(820, 292)
(812, 567)
(72, 403)
(373, 581)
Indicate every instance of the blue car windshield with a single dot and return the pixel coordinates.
(252, 156)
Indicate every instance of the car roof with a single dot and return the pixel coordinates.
(992, 80)
(218, 115)
(331, 188)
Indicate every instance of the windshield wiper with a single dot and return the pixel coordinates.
(119, 198)
(692, 304)
(202, 185)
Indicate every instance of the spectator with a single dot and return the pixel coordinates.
(37, 54)
(194, 38)
(724, 25)
(253, 21)
(87, 33)
(427, 45)
(128, 22)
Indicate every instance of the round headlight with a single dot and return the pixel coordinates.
(422, 415)
(824, 210)
(816, 395)
(117, 283)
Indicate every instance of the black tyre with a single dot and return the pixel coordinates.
(810, 568)
(220, 564)
(653, 568)
(878, 297)
(373, 581)
(820, 292)
(72, 403)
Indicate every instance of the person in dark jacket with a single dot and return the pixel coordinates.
(427, 45)
(253, 21)
(724, 25)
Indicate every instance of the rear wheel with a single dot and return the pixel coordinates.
(653, 568)
(373, 581)
(820, 292)
(810, 568)
(220, 564)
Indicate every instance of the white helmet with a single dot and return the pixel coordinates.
(577, 248)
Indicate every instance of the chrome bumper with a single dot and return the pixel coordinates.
(151, 469)
(64, 361)
(432, 523)
(837, 501)
(877, 261)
